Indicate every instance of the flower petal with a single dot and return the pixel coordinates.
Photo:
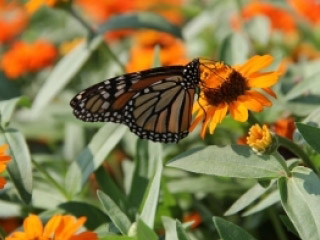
(238, 111)
(85, 236)
(263, 80)
(259, 97)
(251, 103)
(52, 225)
(33, 226)
(196, 121)
(255, 64)
(3, 181)
(270, 92)
(17, 236)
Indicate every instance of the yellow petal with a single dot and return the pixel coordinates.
(263, 80)
(220, 113)
(259, 97)
(250, 103)
(52, 225)
(33, 226)
(17, 236)
(238, 111)
(255, 64)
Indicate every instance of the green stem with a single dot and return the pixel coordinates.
(51, 179)
(294, 148)
(93, 33)
(282, 162)
(277, 224)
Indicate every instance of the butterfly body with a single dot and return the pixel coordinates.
(156, 104)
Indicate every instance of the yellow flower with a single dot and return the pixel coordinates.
(59, 227)
(225, 88)
(33, 5)
(4, 159)
(259, 138)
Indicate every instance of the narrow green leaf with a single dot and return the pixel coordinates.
(108, 186)
(93, 155)
(229, 161)
(63, 72)
(9, 209)
(152, 195)
(95, 217)
(300, 197)
(303, 86)
(182, 235)
(119, 218)
(144, 232)
(138, 21)
(247, 198)
(230, 231)
(289, 225)
(7, 108)
(73, 141)
(156, 57)
(310, 134)
(19, 168)
(8, 89)
(234, 49)
(269, 200)
(170, 227)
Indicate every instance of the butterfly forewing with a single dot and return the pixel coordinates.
(155, 104)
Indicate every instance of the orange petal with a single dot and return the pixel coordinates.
(85, 236)
(260, 98)
(255, 64)
(33, 226)
(270, 92)
(263, 80)
(17, 236)
(250, 103)
(71, 225)
(52, 225)
(218, 115)
(3, 182)
(238, 111)
(3, 148)
(208, 116)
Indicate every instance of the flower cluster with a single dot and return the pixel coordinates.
(4, 160)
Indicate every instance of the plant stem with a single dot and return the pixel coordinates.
(277, 224)
(282, 162)
(51, 179)
(93, 33)
(294, 148)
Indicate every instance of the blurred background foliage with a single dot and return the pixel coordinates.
(52, 49)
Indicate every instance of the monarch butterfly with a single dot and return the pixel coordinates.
(156, 104)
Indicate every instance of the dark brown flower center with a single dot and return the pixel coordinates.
(234, 86)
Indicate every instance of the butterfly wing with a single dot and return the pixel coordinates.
(155, 104)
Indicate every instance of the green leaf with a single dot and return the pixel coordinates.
(170, 227)
(229, 161)
(138, 21)
(230, 231)
(9, 209)
(289, 225)
(144, 232)
(108, 186)
(259, 29)
(63, 72)
(73, 141)
(182, 235)
(303, 86)
(247, 198)
(95, 217)
(156, 57)
(93, 156)
(267, 201)
(234, 49)
(7, 108)
(119, 218)
(300, 197)
(152, 195)
(8, 89)
(117, 238)
(19, 168)
(310, 134)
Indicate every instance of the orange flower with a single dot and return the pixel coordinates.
(259, 138)
(309, 9)
(59, 227)
(193, 217)
(172, 50)
(33, 5)
(284, 127)
(224, 88)
(279, 18)
(23, 58)
(13, 19)
(4, 159)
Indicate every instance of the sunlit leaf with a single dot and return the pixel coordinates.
(144, 232)
(300, 197)
(229, 161)
(7, 108)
